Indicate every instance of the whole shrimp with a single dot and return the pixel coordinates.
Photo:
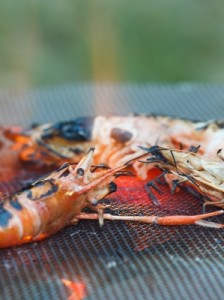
(52, 203)
(116, 139)
(57, 200)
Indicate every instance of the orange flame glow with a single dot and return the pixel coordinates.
(78, 289)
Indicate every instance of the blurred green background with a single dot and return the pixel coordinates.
(53, 42)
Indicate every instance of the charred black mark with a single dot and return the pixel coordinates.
(100, 166)
(91, 149)
(51, 148)
(79, 129)
(15, 203)
(194, 149)
(63, 166)
(5, 216)
(219, 151)
(80, 171)
(123, 173)
(76, 150)
(112, 187)
(219, 154)
(42, 189)
(121, 135)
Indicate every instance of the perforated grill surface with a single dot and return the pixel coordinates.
(122, 260)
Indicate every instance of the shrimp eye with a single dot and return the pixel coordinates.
(112, 187)
(80, 171)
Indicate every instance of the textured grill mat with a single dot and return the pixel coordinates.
(122, 260)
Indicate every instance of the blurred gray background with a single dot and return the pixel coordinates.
(51, 42)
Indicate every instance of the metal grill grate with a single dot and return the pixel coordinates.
(122, 260)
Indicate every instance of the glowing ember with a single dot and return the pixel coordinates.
(78, 289)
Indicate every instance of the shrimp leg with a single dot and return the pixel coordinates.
(165, 221)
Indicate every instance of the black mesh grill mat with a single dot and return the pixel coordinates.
(122, 260)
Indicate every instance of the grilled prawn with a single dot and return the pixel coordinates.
(52, 203)
(57, 200)
(116, 139)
